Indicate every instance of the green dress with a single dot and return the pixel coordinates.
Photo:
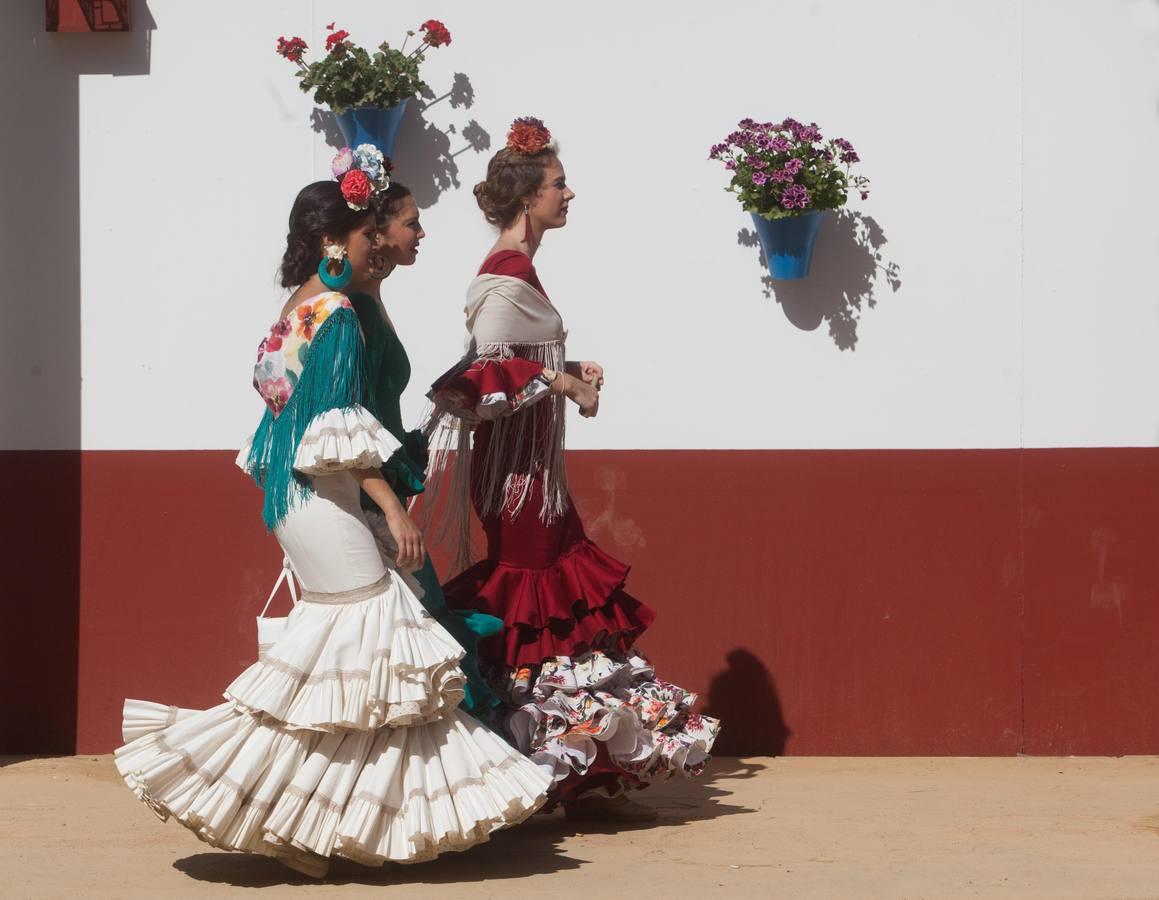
(388, 373)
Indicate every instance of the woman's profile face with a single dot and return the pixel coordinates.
(398, 240)
(548, 208)
(359, 244)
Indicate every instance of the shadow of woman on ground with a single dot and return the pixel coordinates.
(683, 800)
(531, 848)
(525, 850)
(843, 279)
(423, 156)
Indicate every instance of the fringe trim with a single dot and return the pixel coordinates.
(535, 434)
(334, 377)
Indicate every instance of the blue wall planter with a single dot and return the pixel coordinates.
(372, 125)
(788, 243)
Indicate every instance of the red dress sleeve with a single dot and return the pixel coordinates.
(482, 387)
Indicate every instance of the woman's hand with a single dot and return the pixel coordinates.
(592, 373)
(407, 537)
(582, 394)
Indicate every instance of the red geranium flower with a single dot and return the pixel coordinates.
(335, 39)
(436, 33)
(528, 135)
(356, 188)
(291, 49)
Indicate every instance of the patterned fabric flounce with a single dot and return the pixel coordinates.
(562, 708)
(390, 794)
(566, 609)
(344, 439)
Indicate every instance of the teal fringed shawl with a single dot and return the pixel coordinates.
(340, 372)
(333, 377)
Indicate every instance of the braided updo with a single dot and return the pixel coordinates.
(319, 209)
(511, 178)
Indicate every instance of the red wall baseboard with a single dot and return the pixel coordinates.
(824, 602)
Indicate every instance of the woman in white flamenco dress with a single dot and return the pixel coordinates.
(345, 738)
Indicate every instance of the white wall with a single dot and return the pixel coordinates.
(1011, 147)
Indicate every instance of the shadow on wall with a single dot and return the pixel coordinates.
(847, 264)
(745, 699)
(40, 360)
(424, 160)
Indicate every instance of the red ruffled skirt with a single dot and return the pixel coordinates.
(580, 699)
(557, 593)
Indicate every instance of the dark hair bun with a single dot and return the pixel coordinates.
(319, 209)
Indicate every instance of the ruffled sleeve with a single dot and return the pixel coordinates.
(328, 403)
(349, 438)
(486, 388)
(406, 470)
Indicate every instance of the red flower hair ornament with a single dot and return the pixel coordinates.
(361, 172)
(528, 135)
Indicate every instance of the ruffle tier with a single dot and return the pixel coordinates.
(486, 388)
(391, 794)
(466, 626)
(569, 608)
(562, 708)
(356, 664)
(341, 439)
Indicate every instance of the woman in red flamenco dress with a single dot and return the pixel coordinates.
(578, 697)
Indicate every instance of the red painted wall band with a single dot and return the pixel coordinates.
(824, 602)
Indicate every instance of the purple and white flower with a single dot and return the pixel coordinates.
(796, 196)
(771, 162)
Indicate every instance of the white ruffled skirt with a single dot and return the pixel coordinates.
(344, 738)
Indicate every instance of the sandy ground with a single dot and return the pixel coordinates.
(788, 827)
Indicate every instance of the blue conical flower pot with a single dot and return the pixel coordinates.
(788, 243)
(372, 125)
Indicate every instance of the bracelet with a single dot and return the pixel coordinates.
(549, 376)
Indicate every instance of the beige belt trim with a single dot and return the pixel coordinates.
(355, 595)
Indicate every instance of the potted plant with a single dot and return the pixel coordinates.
(786, 175)
(367, 93)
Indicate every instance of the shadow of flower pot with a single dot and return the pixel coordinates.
(423, 160)
(847, 265)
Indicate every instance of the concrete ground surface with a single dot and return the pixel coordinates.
(757, 827)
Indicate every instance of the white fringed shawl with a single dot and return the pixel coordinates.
(506, 317)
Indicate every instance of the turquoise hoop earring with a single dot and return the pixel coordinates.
(339, 281)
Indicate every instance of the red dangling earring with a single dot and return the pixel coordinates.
(527, 225)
